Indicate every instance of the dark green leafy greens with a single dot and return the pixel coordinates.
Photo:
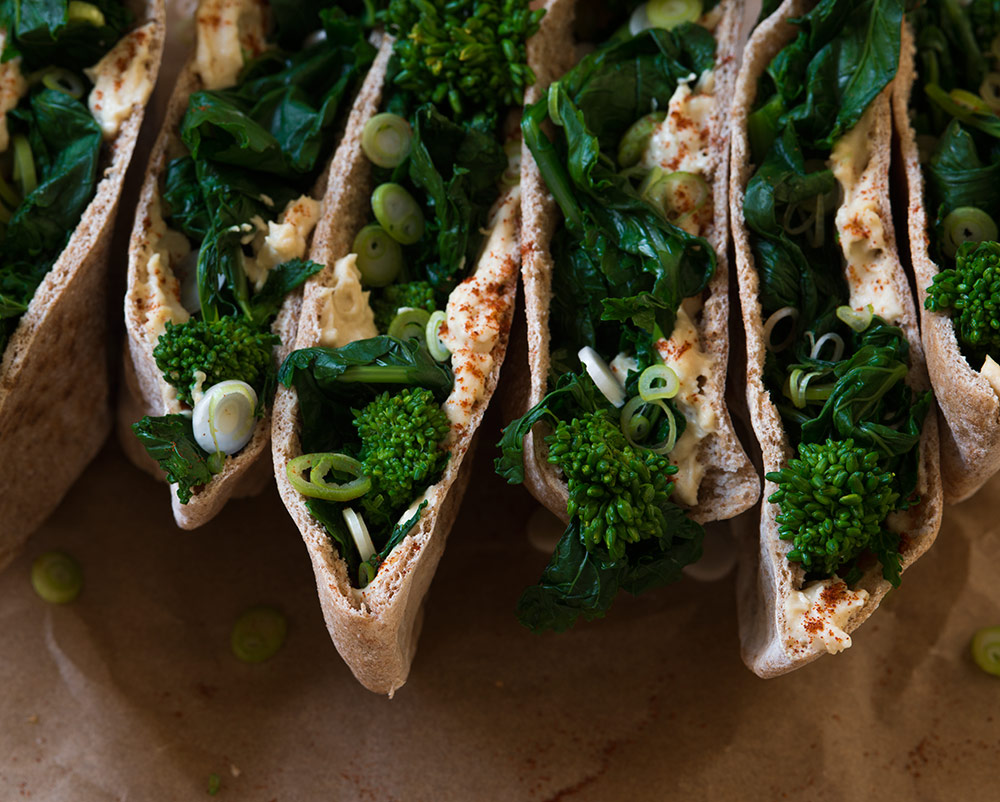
(169, 441)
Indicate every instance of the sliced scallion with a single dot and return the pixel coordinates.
(77, 11)
(24, 165)
(838, 346)
(319, 466)
(359, 533)
(409, 323)
(56, 577)
(658, 381)
(966, 224)
(671, 13)
(223, 419)
(380, 257)
(858, 320)
(636, 139)
(674, 194)
(258, 634)
(636, 427)
(398, 213)
(62, 80)
(437, 349)
(602, 376)
(771, 323)
(986, 650)
(386, 139)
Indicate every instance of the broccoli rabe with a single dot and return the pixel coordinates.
(413, 294)
(970, 292)
(228, 348)
(616, 490)
(401, 435)
(833, 501)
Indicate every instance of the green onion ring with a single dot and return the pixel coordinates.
(968, 101)
(258, 634)
(56, 577)
(410, 323)
(986, 650)
(318, 465)
(379, 256)
(858, 321)
(966, 224)
(77, 11)
(650, 390)
(838, 346)
(671, 13)
(627, 415)
(437, 349)
(398, 213)
(636, 139)
(24, 165)
(386, 139)
(62, 80)
(772, 321)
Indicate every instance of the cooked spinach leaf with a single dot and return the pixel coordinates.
(170, 441)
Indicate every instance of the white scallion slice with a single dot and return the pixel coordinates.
(602, 376)
(359, 532)
(859, 320)
(437, 349)
(223, 418)
(386, 139)
(658, 381)
(774, 320)
(831, 337)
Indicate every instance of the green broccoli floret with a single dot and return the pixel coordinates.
(413, 294)
(617, 491)
(227, 348)
(468, 52)
(971, 292)
(833, 501)
(401, 435)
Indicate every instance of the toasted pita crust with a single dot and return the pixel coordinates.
(970, 442)
(54, 411)
(144, 391)
(766, 578)
(730, 484)
(375, 630)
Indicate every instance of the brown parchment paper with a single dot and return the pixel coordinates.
(131, 693)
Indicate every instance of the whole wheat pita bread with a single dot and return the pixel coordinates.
(54, 408)
(376, 630)
(730, 484)
(766, 579)
(144, 391)
(970, 440)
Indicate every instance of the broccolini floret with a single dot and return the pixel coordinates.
(227, 348)
(616, 490)
(401, 435)
(465, 52)
(413, 294)
(833, 501)
(970, 292)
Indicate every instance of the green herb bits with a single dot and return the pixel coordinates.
(398, 213)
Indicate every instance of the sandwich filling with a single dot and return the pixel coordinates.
(836, 361)
(52, 136)
(230, 229)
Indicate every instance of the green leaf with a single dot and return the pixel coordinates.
(170, 441)
(281, 280)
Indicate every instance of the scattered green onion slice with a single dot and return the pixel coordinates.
(967, 100)
(798, 390)
(986, 650)
(62, 80)
(366, 573)
(966, 224)
(674, 194)
(857, 320)
(258, 634)
(84, 12)
(636, 427)
(650, 387)
(989, 91)
(838, 346)
(437, 348)
(24, 165)
(398, 213)
(409, 323)
(671, 13)
(636, 139)
(359, 533)
(602, 376)
(380, 258)
(224, 418)
(773, 321)
(214, 784)
(319, 465)
(56, 577)
(386, 139)
(553, 100)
